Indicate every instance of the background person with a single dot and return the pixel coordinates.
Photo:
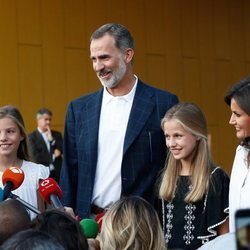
(31, 240)
(193, 190)
(238, 98)
(13, 218)
(131, 223)
(63, 227)
(113, 144)
(46, 144)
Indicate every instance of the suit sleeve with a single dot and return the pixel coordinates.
(69, 171)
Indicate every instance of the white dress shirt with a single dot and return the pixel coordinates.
(114, 117)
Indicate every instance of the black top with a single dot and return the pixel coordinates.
(189, 225)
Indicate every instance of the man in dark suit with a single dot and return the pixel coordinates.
(113, 143)
(45, 144)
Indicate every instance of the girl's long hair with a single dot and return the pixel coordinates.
(192, 119)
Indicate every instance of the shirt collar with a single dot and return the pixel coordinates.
(107, 97)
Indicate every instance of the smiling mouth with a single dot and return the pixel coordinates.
(5, 145)
(104, 74)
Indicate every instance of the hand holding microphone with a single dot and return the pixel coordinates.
(51, 192)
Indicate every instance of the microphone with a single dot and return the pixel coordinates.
(51, 192)
(1, 194)
(89, 227)
(99, 219)
(12, 178)
(26, 204)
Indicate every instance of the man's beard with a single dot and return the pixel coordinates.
(116, 77)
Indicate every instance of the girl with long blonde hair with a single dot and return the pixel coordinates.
(193, 190)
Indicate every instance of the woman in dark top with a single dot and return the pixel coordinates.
(194, 192)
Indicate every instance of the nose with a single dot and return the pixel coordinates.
(232, 119)
(98, 65)
(2, 136)
(170, 142)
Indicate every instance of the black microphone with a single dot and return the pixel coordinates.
(51, 192)
(26, 204)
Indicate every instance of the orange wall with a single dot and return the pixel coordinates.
(196, 49)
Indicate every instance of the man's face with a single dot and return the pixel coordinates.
(108, 61)
(44, 122)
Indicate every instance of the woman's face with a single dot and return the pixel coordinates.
(240, 120)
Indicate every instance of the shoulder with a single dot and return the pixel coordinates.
(33, 133)
(56, 133)
(32, 168)
(218, 172)
(159, 92)
(86, 98)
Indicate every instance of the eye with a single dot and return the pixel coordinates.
(167, 137)
(10, 131)
(178, 136)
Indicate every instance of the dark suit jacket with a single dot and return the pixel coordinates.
(39, 151)
(144, 148)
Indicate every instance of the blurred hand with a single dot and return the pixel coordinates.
(57, 153)
(70, 211)
(94, 244)
(49, 134)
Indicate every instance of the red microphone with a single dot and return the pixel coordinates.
(12, 179)
(99, 219)
(51, 192)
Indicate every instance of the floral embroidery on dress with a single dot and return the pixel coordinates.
(169, 224)
(189, 227)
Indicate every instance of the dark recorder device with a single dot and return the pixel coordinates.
(242, 226)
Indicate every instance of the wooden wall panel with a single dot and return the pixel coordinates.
(29, 21)
(9, 84)
(76, 77)
(172, 31)
(221, 29)
(30, 83)
(156, 62)
(207, 70)
(189, 28)
(54, 60)
(191, 81)
(136, 24)
(246, 28)
(75, 24)
(155, 37)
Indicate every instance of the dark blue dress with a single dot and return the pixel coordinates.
(189, 225)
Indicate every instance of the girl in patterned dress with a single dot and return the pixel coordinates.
(193, 191)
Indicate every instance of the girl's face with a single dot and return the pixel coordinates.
(180, 142)
(240, 120)
(10, 137)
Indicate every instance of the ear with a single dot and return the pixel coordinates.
(128, 55)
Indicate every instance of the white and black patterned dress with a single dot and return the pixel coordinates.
(189, 225)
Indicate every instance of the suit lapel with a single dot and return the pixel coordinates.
(142, 107)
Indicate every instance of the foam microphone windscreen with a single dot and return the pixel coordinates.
(90, 228)
(14, 175)
(48, 187)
